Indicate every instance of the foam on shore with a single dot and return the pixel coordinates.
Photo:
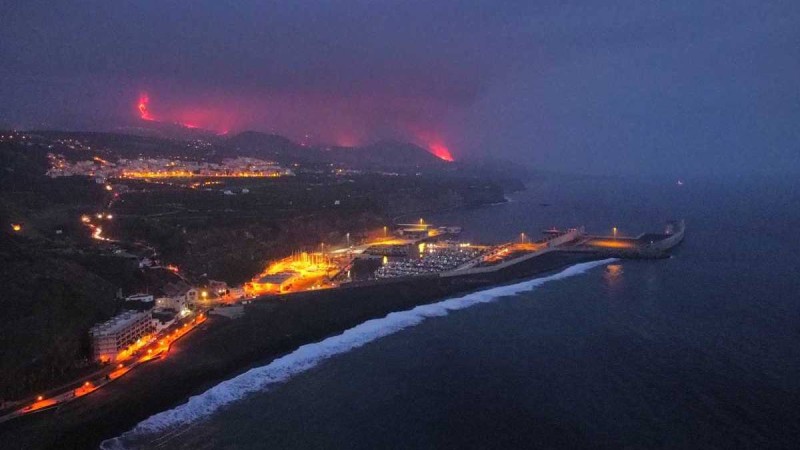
(310, 355)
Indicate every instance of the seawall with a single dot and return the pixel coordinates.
(224, 348)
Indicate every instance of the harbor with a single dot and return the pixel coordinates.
(420, 261)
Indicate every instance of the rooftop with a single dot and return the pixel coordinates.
(276, 278)
(117, 323)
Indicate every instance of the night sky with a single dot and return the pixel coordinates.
(602, 87)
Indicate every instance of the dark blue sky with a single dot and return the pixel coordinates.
(613, 87)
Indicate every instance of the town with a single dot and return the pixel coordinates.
(154, 320)
(156, 168)
(150, 235)
(142, 207)
(402, 224)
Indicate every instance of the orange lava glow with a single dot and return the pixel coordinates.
(347, 139)
(144, 113)
(441, 151)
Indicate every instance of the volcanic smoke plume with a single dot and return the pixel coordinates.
(224, 116)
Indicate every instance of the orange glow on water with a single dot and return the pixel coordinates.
(144, 112)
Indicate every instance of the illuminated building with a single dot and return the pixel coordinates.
(162, 168)
(176, 295)
(118, 333)
(275, 282)
(300, 271)
(146, 298)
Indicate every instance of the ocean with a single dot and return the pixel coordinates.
(700, 350)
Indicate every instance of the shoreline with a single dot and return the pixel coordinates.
(224, 348)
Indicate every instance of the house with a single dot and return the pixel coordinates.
(175, 295)
(143, 298)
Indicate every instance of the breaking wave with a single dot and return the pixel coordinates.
(310, 355)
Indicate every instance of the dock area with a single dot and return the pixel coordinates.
(646, 245)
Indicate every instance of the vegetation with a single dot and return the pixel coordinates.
(231, 237)
(58, 281)
(51, 295)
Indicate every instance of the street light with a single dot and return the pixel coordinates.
(522, 238)
(615, 232)
(384, 231)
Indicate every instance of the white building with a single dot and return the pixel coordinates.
(118, 333)
(144, 298)
(176, 296)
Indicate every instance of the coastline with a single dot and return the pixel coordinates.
(224, 348)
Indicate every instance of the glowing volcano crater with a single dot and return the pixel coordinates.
(441, 151)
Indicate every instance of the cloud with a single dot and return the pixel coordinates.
(577, 85)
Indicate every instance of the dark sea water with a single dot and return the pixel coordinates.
(698, 351)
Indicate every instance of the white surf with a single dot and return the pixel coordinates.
(310, 355)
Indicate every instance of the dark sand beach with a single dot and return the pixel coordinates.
(222, 348)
